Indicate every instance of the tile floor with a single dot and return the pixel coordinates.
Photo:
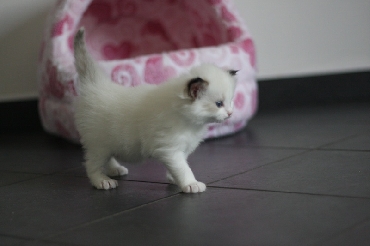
(292, 177)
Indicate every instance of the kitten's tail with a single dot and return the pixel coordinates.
(87, 68)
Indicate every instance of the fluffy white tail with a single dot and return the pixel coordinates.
(87, 68)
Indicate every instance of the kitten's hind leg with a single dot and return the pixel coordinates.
(113, 168)
(94, 168)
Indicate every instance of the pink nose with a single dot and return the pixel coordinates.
(229, 113)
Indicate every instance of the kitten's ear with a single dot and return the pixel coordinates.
(196, 87)
(233, 72)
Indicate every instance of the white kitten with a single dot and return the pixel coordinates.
(165, 121)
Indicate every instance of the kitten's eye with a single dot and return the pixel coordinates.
(219, 104)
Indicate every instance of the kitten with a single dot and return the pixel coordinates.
(165, 122)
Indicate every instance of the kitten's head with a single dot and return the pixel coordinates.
(210, 92)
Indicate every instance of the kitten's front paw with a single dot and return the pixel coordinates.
(104, 183)
(194, 187)
(107, 184)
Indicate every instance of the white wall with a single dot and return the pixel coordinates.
(21, 27)
(301, 37)
(293, 38)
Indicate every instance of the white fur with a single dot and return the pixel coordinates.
(163, 121)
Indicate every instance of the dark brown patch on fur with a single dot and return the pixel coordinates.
(196, 87)
(233, 72)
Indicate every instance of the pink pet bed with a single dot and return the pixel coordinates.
(144, 41)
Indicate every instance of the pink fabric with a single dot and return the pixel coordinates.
(144, 41)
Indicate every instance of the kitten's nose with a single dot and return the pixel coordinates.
(229, 113)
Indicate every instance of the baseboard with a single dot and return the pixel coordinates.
(314, 90)
(19, 116)
(273, 94)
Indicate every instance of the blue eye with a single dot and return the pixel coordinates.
(219, 104)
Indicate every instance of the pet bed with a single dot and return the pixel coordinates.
(143, 41)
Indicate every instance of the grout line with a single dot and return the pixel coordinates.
(289, 192)
(124, 178)
(346, 150)
(55, 243)
(107, 217)
(321, 147)
(24, 180)
(307, 150)
(260, 147)
(337, 141)
(21, 172)
(65, 170)
(146, 181)
(266, 164)
(27, 240)
(17, 237)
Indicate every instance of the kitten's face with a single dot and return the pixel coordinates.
(212, 92)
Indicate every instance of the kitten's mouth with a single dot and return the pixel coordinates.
(216, 120)
(221, 121)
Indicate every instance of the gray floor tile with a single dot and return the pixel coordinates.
(340, 173)
(303, 128)
(227, 217)
(37, 153)
(45, 243)
(49, 204)
(357, 236)
(360, 142)
(289, 135)
(7, 178)
(11, 241)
